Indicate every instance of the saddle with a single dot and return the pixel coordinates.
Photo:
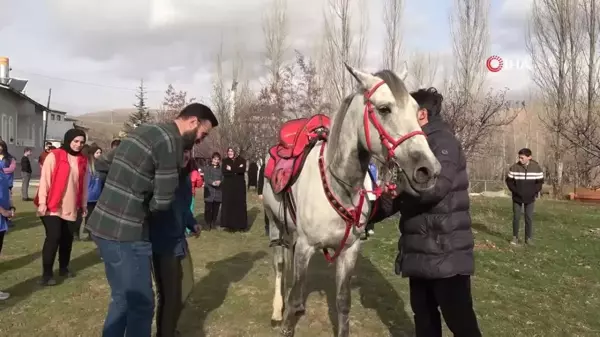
(296, 138)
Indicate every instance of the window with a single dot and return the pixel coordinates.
(57, 117)
(4, 133)
(11, 130)
(52, 117)
(33, 134)
(41, 142)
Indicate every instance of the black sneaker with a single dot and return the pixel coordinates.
(66, 273)
(47, 281)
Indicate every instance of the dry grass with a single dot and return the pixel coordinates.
(549, 290)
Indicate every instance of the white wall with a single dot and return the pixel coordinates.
(21, 126)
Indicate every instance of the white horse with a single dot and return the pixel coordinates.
(378, 122)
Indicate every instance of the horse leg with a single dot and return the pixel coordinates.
(294, 307)
(278, 266)
(344, 268)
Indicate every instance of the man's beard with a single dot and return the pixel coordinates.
(189, 139)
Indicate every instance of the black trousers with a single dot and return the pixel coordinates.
(168, 275)
(59, 238)
(211, 212)
(517, 210)
(2, 240)
(453, 297)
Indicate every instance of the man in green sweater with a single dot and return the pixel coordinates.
(142, 174)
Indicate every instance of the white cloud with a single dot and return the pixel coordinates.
(116, 42)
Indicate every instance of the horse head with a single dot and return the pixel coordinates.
(389, 130)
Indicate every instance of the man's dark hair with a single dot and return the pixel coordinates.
(115, 143)
(525, 152)
(48, 144)
(200, 111)
(27, 149)
(215, 155)
(429, 99)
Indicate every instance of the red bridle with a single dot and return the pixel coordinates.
(388, 141)
(352, 215)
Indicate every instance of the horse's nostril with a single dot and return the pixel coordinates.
(422, 175)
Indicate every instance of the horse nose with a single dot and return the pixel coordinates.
(422, 175)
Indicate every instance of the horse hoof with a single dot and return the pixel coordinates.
(287, 332)
(300, 312)
(275, 323)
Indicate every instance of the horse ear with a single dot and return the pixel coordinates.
(404, 72)
(363, 79)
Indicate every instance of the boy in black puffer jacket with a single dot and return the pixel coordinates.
(436, 242)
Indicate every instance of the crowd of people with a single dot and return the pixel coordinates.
(136, 202)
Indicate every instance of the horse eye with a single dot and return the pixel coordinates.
(384, 109)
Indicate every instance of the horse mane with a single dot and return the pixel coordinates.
(338, 118)
(395, 84)
(397, 88)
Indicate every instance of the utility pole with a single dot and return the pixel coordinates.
(46, 116)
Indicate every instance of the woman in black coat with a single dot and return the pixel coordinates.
(234, 215)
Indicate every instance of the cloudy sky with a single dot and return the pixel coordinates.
(93, 53)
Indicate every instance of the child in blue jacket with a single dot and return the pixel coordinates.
(7, 211)
(173, 271)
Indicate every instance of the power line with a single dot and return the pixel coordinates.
(86, 83)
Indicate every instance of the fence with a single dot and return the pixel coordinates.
(479, 186)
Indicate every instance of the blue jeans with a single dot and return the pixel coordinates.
(128, 267)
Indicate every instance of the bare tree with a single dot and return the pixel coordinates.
(393, 11)
(470, 37)
(423, 69)
(474, 115)
(549, 43)
(344, 42)
(276, 30)
(173, 102)
(581, 129)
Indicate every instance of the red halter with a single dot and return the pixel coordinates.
(388, 141)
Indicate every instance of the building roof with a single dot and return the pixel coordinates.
(22, 96)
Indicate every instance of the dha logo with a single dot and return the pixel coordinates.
(496, 63)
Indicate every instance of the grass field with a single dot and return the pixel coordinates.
(550, 290)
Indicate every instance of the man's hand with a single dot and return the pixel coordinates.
(196, 231)
(260, 197)
(84, 212)
(217, 183)
(228, 168)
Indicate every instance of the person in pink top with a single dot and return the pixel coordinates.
(62, 193)
(197, 182)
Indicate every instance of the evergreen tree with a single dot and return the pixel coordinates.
(142, 114)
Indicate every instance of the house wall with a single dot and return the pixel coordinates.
(21, 126)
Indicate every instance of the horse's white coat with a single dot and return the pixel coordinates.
(318, 224)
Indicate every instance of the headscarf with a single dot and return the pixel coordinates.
(69, 136)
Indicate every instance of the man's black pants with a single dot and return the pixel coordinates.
(168, 274)
(453, 297)
(517, 210)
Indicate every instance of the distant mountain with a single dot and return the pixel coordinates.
(105, 125)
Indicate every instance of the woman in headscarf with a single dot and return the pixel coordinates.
(62, 193)
(233, 213)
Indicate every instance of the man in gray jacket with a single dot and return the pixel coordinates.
(436, 242)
